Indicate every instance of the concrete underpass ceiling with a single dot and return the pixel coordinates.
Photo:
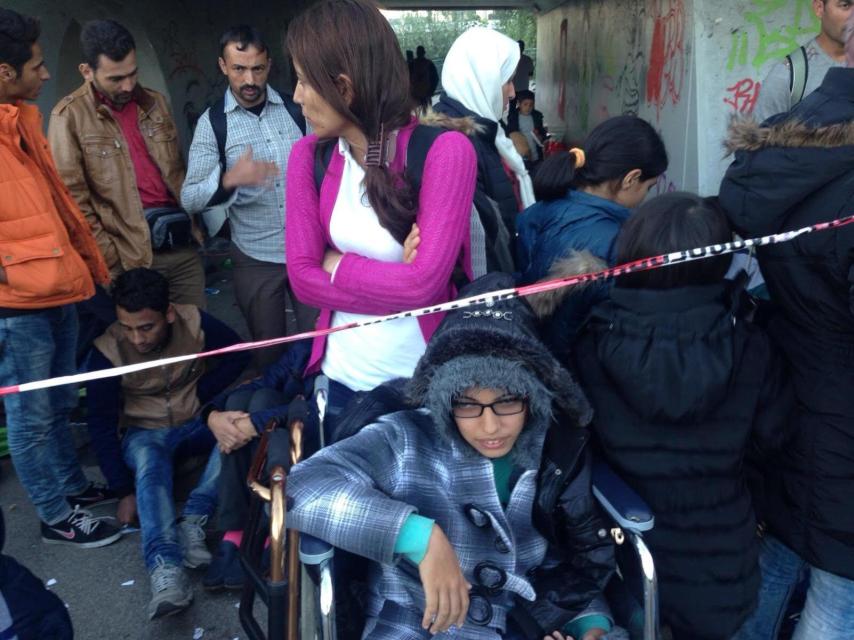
(538, 6)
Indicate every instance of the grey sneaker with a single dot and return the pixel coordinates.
(191, 533)
(170, 590)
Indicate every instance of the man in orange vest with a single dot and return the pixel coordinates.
(48, 262)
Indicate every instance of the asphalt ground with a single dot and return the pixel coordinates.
(107, 589)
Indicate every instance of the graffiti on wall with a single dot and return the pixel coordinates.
(200, 88)
(666, 72)
(742, 96)
(759, 41)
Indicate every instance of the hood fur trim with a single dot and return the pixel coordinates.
(576, 263)
(457, 375)
(466, 125)
(745, 134)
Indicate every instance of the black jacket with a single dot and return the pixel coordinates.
(796, 171)
(681, 387)
(492, 180)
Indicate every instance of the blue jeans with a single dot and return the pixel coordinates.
(829, 610)
(32, 347)
(150, 452)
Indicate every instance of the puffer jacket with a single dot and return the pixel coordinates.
(93, 159)
(550, 232)
(47, 251)
(683, 390)
(797, 171)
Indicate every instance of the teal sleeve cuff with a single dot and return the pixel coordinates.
(578, 627)
(414, 537)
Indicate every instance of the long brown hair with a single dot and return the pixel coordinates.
(352, 37)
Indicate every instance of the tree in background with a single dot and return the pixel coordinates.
(437, 30)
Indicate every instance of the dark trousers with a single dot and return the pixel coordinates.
(263, 291)
(234, 494)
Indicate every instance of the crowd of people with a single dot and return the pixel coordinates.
(466, 495)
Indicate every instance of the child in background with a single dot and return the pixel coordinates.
(527, 121)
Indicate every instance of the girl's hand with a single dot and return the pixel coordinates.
(445, 587)
(557, 635)
(410, 245)
(331, 259)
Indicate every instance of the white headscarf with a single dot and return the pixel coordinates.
(479, 62)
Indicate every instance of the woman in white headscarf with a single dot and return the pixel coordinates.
(477, 82)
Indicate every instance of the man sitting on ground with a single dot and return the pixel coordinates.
(148, 418)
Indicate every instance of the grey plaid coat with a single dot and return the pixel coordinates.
(356, 495)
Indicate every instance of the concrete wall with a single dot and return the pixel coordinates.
(684, 65)
(177, 45)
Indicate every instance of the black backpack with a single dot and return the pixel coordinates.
(219, 124)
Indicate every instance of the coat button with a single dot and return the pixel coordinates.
(602, 533)
(55, 251)
(501, 546)
(558, 472)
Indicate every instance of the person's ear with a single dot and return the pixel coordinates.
(631, 179)
(345, 88)
(222, 66)
(86, 71)
(171, 314)
(8, 73)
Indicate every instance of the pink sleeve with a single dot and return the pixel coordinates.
(306, 241)
(444, 211)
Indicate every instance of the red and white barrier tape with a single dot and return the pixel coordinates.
(645, 264)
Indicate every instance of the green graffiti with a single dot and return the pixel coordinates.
(772, 43)
(738, 50)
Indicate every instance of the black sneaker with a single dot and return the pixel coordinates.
(81, 530)
(94, 495)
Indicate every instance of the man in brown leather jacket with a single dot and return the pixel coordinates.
(116, 148)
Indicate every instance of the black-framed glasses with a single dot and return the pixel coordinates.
(500, 407)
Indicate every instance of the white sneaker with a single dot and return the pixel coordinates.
(170, 590)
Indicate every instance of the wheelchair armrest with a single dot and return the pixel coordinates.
(313, 551)
(621, 502)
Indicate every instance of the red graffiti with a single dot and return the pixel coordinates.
(743, 95)
(666, 72)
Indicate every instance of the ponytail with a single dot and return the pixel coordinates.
(612, 149)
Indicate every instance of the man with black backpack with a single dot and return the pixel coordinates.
(801, 72)
(238, 160)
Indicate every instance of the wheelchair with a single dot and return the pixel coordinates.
(308, 611)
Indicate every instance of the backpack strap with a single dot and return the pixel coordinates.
(798, 75)
(422, 138)
(295, 110)
(216, 115)
(219, 124)
(322, 157)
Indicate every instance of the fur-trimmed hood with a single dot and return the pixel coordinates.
(745, 134)
(780, 166)
(466, 125)
(576, 263)
(503, 330)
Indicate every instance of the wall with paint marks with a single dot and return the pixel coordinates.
(684, 65)
(177, 45)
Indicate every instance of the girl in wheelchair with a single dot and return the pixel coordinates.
(449, 500)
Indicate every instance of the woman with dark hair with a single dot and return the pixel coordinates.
(345, 241)
(683, 388)
(585, 197)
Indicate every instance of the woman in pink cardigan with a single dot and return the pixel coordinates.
(345, 244)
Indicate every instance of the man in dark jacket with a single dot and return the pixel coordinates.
(158, 413)
(797, 170)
